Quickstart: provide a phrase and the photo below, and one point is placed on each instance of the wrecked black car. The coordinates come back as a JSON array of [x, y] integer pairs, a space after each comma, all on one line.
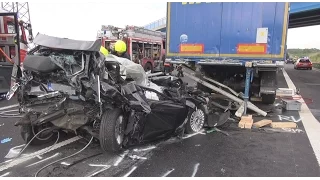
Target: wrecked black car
[[69, 85]]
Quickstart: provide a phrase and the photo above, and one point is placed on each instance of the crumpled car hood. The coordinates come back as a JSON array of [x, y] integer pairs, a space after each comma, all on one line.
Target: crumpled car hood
[[68, 44]]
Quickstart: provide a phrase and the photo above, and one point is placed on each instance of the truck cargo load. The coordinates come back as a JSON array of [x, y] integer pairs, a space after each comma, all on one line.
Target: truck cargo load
[[227, 30]]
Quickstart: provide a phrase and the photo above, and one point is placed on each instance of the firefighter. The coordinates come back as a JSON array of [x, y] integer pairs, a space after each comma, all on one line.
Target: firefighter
[[120, 50], [104, 51]]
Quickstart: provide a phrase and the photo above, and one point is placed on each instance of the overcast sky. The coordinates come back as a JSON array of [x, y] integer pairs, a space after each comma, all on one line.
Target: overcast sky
[[83, 20]]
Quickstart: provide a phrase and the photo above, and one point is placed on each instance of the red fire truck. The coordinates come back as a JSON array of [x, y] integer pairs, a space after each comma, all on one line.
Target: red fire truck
[[13, 46], [144, 46]]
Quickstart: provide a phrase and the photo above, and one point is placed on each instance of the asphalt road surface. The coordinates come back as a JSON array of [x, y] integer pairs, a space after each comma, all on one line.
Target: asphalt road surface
[[309, 84], [255, 152]]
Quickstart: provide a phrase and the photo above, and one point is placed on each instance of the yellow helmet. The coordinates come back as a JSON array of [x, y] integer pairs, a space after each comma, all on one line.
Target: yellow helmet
[[104, 51], [120, 46]]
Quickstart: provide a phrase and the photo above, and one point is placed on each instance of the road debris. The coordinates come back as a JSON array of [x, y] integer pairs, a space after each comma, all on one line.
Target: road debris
[[283, 125], [291, 105], [215, 129], [65, 163], [134, 157], [6, 140], [223, 170], [262, 123], [14, 151], [246, 122]]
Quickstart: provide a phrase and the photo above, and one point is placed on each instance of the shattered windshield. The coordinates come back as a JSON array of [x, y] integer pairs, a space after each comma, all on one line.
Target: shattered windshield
[[71, 64]]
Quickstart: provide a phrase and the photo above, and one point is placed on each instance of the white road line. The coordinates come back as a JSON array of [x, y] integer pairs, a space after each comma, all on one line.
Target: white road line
[[9, 107], [131, 171], [101, 170], [191, 135], [33, 155], [120, 158], [310, 123], [5, 174], [145, 149], [55, 155], [195, 169], [167, 173]]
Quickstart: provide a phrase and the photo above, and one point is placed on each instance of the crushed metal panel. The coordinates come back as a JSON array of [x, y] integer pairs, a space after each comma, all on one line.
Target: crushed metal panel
[[69, 44]]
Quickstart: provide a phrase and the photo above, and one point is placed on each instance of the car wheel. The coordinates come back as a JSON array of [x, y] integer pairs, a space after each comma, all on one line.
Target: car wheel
[[27, 132], [112, 130], [311, 68], [196, 120]]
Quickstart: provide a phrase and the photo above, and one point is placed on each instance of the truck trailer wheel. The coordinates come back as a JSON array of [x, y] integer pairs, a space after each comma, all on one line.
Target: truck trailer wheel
[[268, 98], [112, 130]]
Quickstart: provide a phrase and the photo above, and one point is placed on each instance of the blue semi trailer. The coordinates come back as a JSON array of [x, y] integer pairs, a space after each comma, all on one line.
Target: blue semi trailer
[[240, 44]]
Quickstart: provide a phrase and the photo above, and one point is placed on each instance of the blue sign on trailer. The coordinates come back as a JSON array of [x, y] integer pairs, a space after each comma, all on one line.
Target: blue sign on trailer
[[238, 30]]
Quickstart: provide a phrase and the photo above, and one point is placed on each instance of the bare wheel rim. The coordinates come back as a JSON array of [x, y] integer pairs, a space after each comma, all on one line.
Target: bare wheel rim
[[119, 129], [197, 120], [42, 136]]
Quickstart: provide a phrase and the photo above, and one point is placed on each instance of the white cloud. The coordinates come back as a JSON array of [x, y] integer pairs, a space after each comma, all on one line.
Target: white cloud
[[82, 20], [305, 37]]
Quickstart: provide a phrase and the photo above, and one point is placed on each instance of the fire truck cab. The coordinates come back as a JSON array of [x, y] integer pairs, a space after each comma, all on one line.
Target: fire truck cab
[[12, 49], [145, 47]]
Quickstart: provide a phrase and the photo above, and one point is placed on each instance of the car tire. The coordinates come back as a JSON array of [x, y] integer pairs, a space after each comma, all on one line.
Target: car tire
[[268, 98], [310, 68], [111, 132], [27, 132], [196, 120]]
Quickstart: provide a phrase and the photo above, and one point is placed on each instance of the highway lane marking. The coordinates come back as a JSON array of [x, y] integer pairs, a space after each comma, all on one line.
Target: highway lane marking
[[55, 155], [312, 84], [195, 169], [131, 171], [105, 167], [168, 172], [5, 174], [310, 123], [9, 107], [35, 154]]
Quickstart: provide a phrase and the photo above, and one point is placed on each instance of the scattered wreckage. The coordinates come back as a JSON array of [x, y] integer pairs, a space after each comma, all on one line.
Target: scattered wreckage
[[69, 85]]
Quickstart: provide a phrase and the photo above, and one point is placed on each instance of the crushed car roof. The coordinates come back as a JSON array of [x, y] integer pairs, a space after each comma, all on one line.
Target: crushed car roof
[[63, 43]]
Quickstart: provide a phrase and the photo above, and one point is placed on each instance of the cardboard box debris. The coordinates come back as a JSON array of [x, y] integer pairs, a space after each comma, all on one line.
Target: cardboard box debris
[[262, 123], [283, 125], [246, 122]]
